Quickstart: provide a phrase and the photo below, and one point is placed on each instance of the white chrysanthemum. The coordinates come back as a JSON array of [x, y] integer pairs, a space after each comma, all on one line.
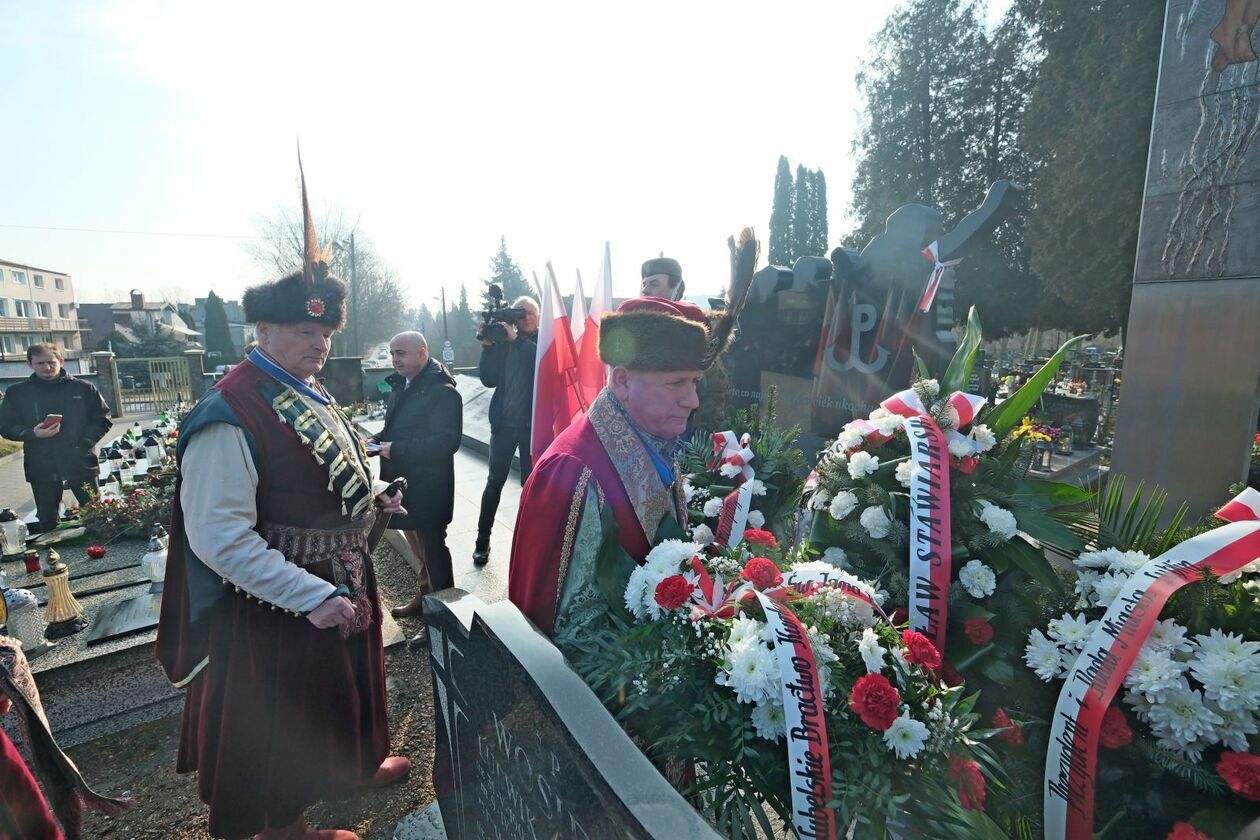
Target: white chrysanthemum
[[662, 561], [768, 721], [668, 557], [824, 656], [820, 500], [876, 522], [1085, 581], [811, 567], [1168, 635], [904, 470], [1129, 562], [744, 628], [862, 463], [1155, 674], [756, 519], [850, 437], [888, 424], [1235, 727], [1071, 630], [1184, 717], [713, 507], [978, 579], [932, 387], [756, 487], [842, 504], [689, 489], [999, 520], [702, 534], [729, 470], [872, 653], [635, 588], [1107, 587], [1097, 559], [1227, 645], [1233, 683], [906, 736], [836, 556], [959, 447], [1250, 569], [1043, 656], [751, 671], [1141, 706], [984, 437]]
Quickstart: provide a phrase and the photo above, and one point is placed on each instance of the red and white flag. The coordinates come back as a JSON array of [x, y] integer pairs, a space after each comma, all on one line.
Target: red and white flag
[[556, 397], [592, 372]]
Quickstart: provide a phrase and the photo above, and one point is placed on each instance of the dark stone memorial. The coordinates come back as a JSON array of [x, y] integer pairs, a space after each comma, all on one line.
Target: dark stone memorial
[[1191, 380], [123, 618], [837, 335], [524, 748]]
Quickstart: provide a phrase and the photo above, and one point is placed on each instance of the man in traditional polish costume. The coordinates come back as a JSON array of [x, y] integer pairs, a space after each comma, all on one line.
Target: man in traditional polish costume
[[620, 456], [270, 618]]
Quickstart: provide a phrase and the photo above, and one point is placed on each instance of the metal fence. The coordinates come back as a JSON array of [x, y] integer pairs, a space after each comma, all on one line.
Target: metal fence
[[151, 385]]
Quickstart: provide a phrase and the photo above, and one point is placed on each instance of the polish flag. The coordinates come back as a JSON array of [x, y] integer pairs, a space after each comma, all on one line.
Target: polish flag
[[593, 373], [556, 396]]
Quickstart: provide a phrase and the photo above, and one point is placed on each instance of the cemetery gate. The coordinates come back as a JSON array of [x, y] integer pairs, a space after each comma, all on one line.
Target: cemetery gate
[[151, 385]]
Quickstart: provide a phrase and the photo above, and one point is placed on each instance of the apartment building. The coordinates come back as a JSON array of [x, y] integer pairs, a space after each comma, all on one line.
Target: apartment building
[[36, 304]]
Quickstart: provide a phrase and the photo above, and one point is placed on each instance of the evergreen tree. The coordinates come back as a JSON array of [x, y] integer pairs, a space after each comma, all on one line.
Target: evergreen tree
[[821, 238], [507, 274], [803, 212], [462, 322], [1087, 129], [218, 338], [781, 242]]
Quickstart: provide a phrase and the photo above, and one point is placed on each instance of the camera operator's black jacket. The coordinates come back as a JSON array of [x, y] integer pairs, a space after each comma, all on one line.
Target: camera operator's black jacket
[[68, 455], [424, 426], [508, 368]]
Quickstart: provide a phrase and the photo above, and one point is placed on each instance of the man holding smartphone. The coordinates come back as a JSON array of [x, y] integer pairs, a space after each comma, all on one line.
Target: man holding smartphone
[[58, 419]]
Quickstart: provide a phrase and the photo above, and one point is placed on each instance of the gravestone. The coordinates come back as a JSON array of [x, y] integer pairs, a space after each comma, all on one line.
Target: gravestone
[[524, 748], [1191, 380], [837, 335]]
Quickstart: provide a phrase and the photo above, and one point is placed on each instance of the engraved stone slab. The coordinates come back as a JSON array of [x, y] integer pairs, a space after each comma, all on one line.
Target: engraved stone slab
[[134, 615]]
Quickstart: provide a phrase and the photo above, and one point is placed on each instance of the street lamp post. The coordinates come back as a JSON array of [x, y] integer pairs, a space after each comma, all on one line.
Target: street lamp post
[[446, 332]]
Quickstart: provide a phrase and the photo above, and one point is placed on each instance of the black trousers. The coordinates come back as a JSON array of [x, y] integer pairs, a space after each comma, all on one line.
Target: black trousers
[[503, 445], [435, 557], [48, 498]]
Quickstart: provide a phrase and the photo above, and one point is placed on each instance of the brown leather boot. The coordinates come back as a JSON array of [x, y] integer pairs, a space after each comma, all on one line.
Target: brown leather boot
[[410, 610], [298, 830]]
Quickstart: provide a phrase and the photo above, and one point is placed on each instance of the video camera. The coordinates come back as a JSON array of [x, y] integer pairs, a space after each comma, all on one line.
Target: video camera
[[494, 318]]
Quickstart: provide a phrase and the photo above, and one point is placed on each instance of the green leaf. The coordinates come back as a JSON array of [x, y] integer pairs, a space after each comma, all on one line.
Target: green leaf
[[1034, 563], [1222, 822], [975, 655], [1044, 528], [958, 374], [999, 670], [1039, 493], [920, 366], [613, 567], [669, 529], [1006, 415]]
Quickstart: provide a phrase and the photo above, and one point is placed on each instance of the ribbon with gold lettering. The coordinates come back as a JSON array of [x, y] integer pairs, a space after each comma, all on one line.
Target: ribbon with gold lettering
[[1104, 662]]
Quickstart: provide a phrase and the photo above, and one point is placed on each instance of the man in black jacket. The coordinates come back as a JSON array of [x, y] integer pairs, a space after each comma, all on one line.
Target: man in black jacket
[[58, 419], [508, 367], [424, 425]]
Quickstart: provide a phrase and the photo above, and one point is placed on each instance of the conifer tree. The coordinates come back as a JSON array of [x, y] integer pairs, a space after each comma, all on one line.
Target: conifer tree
[[218, 337], [781, 242]]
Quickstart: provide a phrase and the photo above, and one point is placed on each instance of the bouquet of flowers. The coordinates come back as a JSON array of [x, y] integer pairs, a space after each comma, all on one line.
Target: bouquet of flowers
[[134, 514], [758, 678]]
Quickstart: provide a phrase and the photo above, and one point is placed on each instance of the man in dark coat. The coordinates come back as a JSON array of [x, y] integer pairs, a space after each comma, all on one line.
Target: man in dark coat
[[424, 425], [507, 366], [58, 419]]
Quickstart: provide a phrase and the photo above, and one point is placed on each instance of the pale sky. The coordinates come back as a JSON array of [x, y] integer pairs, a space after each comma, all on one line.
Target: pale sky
[[654, 125]]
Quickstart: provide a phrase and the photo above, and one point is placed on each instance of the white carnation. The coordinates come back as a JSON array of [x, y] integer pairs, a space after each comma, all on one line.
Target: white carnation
[[999, 520], [904, 471], [756, 519], [756, 487], [729, 470], [984, 437], [820, 500], [768, 721], [1043, 656], [932, 387], [871, 651], [960, 447], [887, 423], [850, 438], [876, 522], [862, 464], [713, 507], [978, 579], [906, 736], [835, 556], [702, 534], [842, 504]]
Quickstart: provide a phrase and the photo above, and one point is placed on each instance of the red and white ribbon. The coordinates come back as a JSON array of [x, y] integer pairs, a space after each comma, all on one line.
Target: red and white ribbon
[[963, 408], [713, 599], [932, 252], [931, 556], [1104, 662], [809, 759], [728, 449]]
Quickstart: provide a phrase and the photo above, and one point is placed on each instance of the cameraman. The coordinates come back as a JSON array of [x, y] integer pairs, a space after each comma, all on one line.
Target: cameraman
[[508, 367]]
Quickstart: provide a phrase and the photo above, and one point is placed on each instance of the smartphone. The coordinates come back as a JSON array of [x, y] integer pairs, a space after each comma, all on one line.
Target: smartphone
[[51, 420], [373, 448]]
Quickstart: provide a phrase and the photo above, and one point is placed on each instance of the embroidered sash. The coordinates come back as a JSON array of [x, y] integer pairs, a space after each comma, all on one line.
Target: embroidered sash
[[350, 484]]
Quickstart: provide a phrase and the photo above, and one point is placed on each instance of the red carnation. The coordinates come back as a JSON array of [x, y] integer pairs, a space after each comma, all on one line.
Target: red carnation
[[1115, 732], [673, 592], [756, 536], [949, 676], [920, 650], [1185, 831], [1241, 771], [898, 616], [875, 701], [1013, 734], [762, 572], [965, 774], [978, 631]]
